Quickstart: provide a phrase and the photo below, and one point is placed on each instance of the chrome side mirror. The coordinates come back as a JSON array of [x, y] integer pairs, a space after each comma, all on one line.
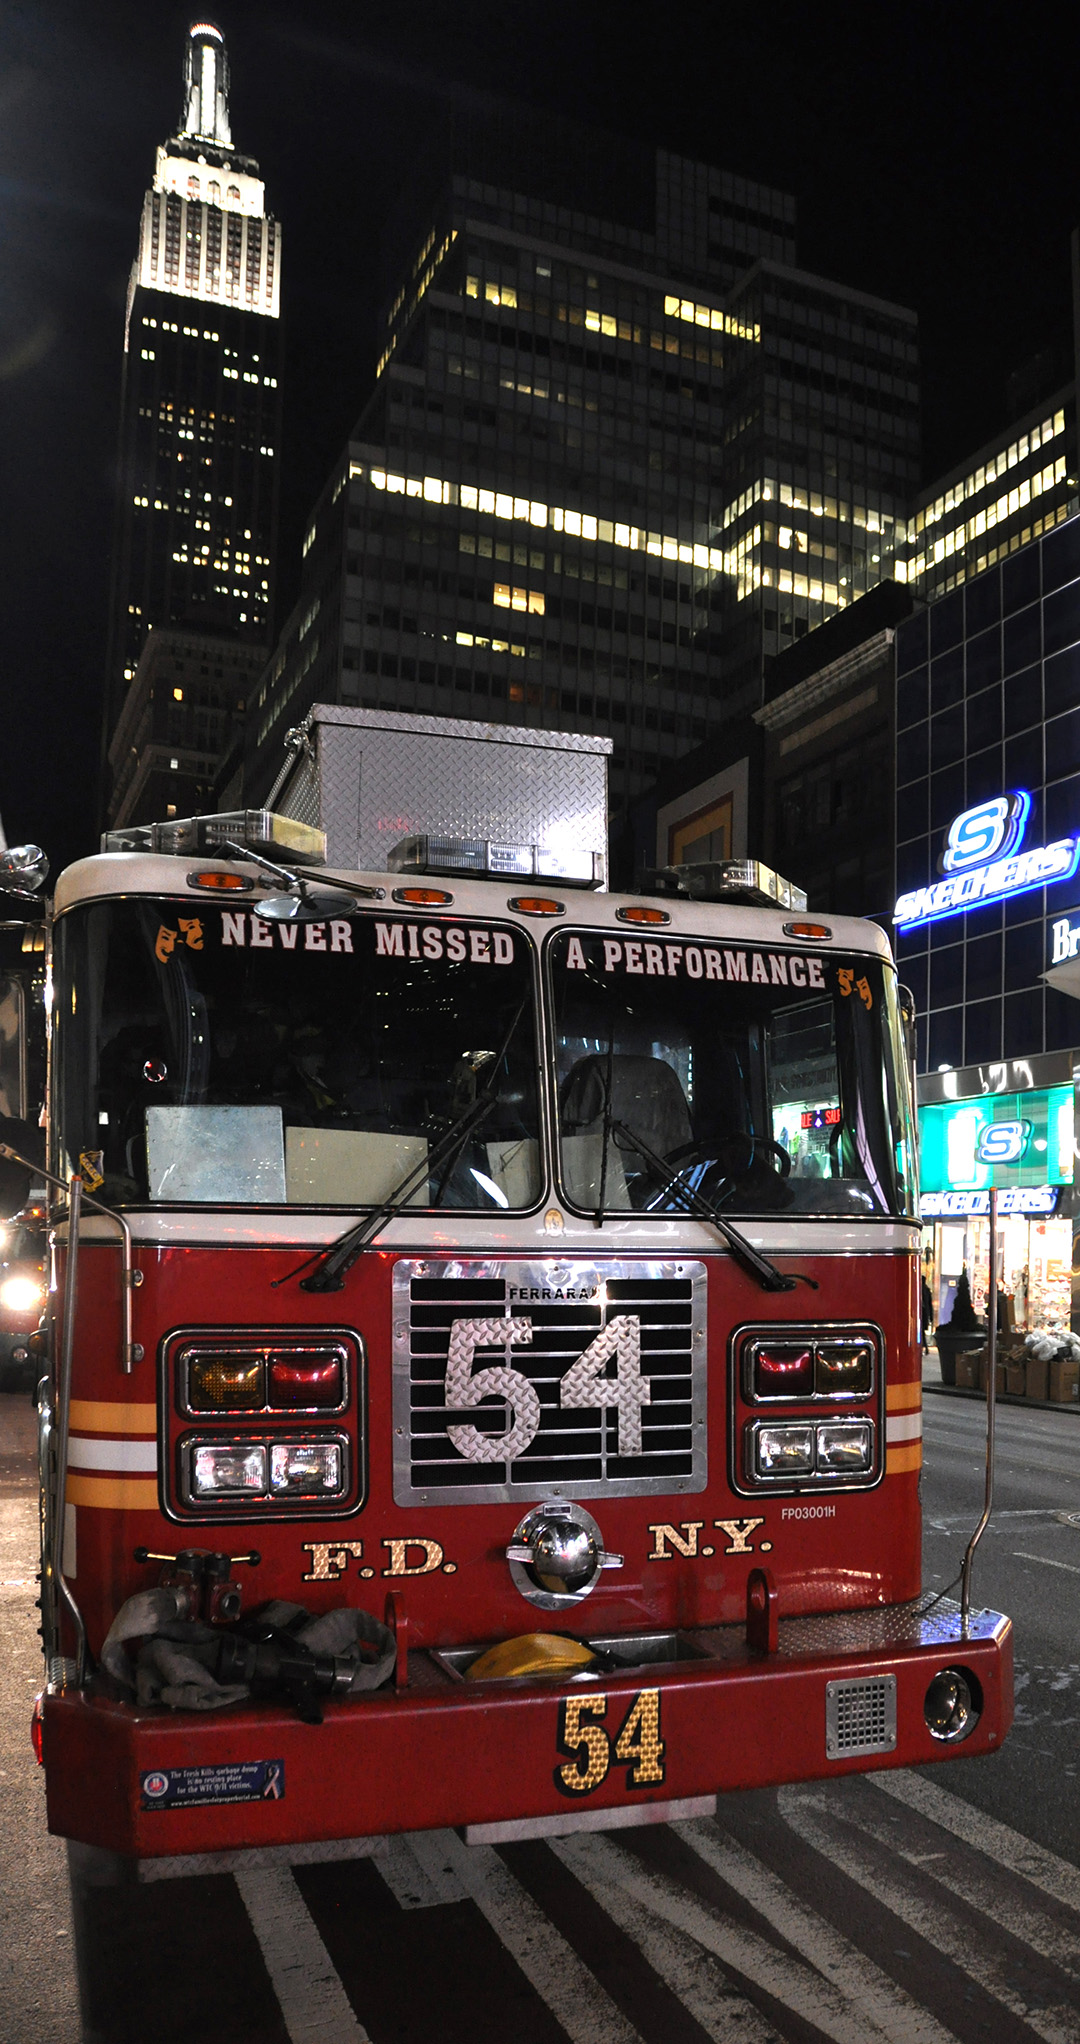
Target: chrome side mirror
[[307, 905], [24, 869]]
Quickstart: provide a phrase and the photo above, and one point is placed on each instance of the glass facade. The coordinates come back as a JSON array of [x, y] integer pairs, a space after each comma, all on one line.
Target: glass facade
[[600, 478], [988, 704], [997, 501]]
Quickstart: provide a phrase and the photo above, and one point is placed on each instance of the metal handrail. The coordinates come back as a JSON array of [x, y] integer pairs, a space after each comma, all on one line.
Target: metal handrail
[[132, 1351], [991, 1410], [54, 1558]]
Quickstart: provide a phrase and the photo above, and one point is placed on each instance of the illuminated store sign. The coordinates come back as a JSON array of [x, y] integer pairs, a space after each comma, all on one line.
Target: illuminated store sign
[[1028, 1199], [1019, 1141], [983, 862], [1064, 940]]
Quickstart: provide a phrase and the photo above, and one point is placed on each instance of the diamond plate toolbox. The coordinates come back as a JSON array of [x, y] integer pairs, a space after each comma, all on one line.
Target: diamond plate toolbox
[[518, 1379], [370, 778]]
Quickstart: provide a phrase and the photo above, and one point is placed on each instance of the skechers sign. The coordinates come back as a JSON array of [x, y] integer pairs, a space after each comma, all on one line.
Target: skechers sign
[[983, 862], [1003, 1142]]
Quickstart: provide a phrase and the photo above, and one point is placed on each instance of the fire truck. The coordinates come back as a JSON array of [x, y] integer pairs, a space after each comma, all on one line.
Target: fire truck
[[485, 1383]]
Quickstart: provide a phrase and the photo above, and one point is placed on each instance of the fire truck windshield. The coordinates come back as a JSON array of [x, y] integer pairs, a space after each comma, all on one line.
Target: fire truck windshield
[[206, 1055], [768, 1081]]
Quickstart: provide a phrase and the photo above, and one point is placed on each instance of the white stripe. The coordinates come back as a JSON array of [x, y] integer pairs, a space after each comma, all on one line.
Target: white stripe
[[1023, 1919], [978, 1954], [800, 1988], [906, 1426], [573, 1994], [313, 2003], [885, 2005], [1046, 1561], [98, 1454], [693, 1975], [1056, 1877]]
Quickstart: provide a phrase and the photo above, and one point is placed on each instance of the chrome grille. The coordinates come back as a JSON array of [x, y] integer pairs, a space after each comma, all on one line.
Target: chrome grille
[[574, 1450], [860, 1717]]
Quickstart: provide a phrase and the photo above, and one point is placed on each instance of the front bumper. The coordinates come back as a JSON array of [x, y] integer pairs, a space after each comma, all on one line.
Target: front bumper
[[150, 1783]]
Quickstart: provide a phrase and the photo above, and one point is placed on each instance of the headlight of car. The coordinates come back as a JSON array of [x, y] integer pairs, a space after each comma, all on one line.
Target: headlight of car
[[22, 1294]]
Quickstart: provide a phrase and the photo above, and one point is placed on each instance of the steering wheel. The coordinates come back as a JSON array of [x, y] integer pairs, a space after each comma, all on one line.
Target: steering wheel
[[717, 1153]]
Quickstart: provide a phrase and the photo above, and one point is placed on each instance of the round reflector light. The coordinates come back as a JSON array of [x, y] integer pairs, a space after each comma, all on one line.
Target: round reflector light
[[952, 1705]]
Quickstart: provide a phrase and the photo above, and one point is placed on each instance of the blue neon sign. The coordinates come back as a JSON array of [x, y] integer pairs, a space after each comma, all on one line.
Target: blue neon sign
[[992, 831], [983, 862]]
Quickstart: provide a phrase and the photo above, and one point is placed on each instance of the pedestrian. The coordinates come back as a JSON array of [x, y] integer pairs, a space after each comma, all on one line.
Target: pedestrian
[[927, 1312]]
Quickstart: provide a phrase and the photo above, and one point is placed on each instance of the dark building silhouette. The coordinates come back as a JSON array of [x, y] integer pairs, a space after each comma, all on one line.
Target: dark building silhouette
[[620, 452]]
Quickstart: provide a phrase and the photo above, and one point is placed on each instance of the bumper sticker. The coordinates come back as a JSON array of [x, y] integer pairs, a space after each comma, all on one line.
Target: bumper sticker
[[239, 1781]]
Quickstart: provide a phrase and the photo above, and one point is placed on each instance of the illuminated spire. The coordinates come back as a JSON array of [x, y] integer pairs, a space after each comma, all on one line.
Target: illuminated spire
[[206, 116]]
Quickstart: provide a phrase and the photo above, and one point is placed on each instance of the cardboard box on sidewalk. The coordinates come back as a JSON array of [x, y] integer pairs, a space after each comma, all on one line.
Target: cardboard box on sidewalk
[[1016, 1379], [967, 1369], [1065, 1383], [1038, 1378]]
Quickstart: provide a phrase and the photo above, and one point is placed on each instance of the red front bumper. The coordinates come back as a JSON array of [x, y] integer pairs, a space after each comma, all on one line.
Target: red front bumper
[[445, 1752]]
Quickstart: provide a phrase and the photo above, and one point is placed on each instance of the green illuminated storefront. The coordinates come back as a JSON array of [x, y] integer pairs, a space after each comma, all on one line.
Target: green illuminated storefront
[[1019, 1137]]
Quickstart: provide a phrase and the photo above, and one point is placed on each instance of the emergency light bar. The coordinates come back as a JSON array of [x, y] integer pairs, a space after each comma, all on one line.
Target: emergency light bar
[[259, 830], [746, 880], [479, 856]]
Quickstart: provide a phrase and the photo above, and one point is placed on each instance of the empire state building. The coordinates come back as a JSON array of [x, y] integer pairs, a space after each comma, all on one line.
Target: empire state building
[[200, 436]]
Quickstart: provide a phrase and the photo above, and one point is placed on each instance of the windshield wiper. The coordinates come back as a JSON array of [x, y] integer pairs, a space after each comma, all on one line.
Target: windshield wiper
[[329, 1265], [751, 1259]]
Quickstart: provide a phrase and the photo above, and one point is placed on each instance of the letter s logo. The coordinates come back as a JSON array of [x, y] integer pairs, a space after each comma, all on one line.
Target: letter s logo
[[991, 831], [1003, 1142]]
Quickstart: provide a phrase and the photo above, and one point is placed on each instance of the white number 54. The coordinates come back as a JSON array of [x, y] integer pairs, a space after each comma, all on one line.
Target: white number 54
[[586, 1383]]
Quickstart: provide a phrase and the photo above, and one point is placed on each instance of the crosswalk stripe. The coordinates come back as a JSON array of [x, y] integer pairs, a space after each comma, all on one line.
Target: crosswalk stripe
[[313, 2003], [980, 1956], [453, 1871], [798, 1987], [693, 1975], [1056, 1877], [1025, 1920], [886, 2005]]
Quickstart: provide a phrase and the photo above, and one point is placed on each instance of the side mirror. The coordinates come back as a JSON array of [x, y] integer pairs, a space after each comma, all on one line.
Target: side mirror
[[23, 869], [308, 905]]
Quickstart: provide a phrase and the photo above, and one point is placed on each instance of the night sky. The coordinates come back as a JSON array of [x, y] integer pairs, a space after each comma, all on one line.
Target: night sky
[[931, 149]]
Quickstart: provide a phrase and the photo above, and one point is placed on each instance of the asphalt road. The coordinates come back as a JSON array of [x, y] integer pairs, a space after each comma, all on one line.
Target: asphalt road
[[913, 1907]]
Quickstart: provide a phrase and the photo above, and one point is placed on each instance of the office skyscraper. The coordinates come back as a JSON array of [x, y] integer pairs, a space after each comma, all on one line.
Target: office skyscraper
[[620, 451], [200, 439]]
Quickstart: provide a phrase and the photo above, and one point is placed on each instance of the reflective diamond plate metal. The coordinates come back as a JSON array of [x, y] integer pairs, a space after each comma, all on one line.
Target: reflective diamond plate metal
[[380, 777], [573, 1449]]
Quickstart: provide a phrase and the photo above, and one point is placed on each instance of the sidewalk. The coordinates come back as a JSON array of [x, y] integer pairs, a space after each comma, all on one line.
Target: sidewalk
[[931, 1381]]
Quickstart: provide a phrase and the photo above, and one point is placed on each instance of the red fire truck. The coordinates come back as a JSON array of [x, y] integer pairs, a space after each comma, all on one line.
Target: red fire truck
[[486, 1362]]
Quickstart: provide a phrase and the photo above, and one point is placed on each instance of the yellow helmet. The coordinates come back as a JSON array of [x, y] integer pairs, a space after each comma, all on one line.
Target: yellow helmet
[[532, 1653]]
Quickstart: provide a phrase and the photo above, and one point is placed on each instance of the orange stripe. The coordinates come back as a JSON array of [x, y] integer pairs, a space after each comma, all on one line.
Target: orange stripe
[[907, 1456], [97, 1416], [903, 1397], [114, 1493]]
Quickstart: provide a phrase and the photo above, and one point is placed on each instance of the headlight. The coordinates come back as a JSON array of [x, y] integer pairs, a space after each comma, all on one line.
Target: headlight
[[810, 1452], [846, 1445], [306, 1469], [227, 1469], [785, 1451], [21, 1294]]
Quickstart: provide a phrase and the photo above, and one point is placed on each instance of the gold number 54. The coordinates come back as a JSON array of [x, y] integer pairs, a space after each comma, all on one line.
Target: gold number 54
[[582, 1735]]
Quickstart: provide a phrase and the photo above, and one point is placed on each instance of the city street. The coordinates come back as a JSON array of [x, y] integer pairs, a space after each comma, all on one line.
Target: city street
[[906, 1906]]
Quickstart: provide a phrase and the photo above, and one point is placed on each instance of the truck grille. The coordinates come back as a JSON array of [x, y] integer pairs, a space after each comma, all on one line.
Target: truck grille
[[648, 1435], [860, 1717]]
